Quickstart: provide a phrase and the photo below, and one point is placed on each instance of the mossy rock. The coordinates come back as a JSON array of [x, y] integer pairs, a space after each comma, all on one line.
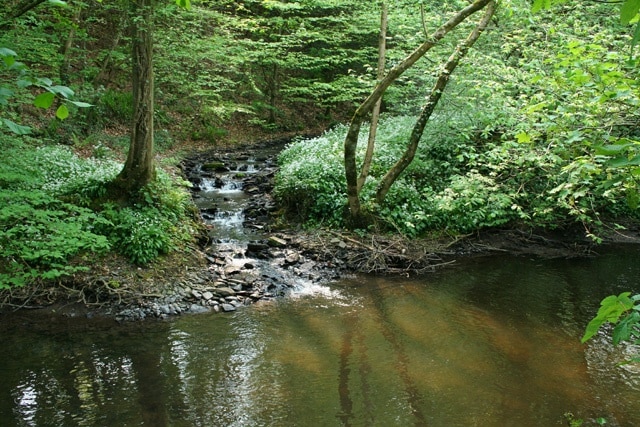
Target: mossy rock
[[215, 166]]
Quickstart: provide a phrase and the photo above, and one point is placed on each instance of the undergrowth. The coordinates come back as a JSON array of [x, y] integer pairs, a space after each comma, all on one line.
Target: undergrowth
[[51, 227]]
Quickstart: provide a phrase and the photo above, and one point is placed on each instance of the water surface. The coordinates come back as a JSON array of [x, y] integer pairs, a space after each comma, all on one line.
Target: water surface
[[491, 342]]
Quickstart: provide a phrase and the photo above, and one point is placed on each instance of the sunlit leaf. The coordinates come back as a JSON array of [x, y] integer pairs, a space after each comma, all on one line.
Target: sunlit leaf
[[540, 4], [62, 112], [184, 3], [523, 137], [62, 90], [611, 308], [629, 10], [81, 104], [44, 100]]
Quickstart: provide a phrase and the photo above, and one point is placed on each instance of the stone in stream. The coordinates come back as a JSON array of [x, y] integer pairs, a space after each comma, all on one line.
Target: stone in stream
[[195, 308], [224, 292], [291, 257], [276, 241], [228, 307]]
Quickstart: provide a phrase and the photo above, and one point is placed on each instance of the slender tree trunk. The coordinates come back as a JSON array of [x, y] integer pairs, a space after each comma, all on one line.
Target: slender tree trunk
[[451, 64], [351, 139], [139, 169], [375, 114]]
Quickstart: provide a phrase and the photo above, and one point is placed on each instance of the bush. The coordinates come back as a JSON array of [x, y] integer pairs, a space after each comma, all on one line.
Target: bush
[[47, 230]]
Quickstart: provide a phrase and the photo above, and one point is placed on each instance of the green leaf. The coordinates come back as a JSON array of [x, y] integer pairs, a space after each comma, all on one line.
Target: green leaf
[[16, 128], [636, 39], [62, 90], [81, 104], [43, 82], [540, 4], [44, 100], [611, 308], [184, 3], [62, 112], [620, 162], [624, 330], [7, 52], [629, 10], [523, 137], [57, 2]]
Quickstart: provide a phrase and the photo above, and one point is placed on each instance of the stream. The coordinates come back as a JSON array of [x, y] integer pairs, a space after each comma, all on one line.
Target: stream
[[490, 341]]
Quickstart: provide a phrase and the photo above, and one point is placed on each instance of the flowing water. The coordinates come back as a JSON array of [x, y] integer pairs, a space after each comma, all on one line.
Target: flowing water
[[490, 342]]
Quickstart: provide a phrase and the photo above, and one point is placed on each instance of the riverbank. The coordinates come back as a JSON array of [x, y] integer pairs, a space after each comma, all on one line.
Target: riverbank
[[206, 278]]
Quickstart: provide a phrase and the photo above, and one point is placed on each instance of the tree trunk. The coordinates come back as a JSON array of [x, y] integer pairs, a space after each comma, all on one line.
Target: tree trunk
[[375, 114], [139, 168], [351, 140], [451, 64]]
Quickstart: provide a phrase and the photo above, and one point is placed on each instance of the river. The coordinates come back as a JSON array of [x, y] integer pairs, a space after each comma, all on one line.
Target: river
[[491, 341]]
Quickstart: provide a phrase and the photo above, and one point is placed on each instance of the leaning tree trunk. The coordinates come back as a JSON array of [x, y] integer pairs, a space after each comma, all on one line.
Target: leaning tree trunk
[[139, 168], [451, 64], [361, 113], [375, 114]]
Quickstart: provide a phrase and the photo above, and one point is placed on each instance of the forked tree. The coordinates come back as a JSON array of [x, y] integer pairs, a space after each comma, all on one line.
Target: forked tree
[[354, 181]]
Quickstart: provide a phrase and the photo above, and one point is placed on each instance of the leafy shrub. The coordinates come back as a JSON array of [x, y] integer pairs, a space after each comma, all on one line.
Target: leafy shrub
[[117, 104], [160, 223], [139, 234], [40, 234], [310, 182], [46, 229]]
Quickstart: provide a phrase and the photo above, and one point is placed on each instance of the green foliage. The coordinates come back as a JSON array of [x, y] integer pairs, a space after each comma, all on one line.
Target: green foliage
[[159, 223], [309, 188], [40, 233], [13, 93], [612, 308], [623, 311], [47, 230]]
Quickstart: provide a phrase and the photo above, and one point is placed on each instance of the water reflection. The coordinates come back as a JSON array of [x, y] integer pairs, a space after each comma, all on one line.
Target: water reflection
[[493, 342]]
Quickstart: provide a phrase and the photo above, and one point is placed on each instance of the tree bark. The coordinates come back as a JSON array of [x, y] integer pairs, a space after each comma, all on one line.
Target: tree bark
[[375, 114], [351, 139], [451, 64], [139, 169]]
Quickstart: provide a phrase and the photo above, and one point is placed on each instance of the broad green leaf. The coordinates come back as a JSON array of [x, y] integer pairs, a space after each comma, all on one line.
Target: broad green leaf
[[184, 3], [58, 2], [7, 52], [62, 90], [8, 60], [81, 104], [44, 100], [5, 94], [22, 83], [620, 162], [636, 39], [16, 128], [611, 308], [523, 137], [629, 10], [43, 81], [540, 4], [613, 149], [624, 330], [62, 112]]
